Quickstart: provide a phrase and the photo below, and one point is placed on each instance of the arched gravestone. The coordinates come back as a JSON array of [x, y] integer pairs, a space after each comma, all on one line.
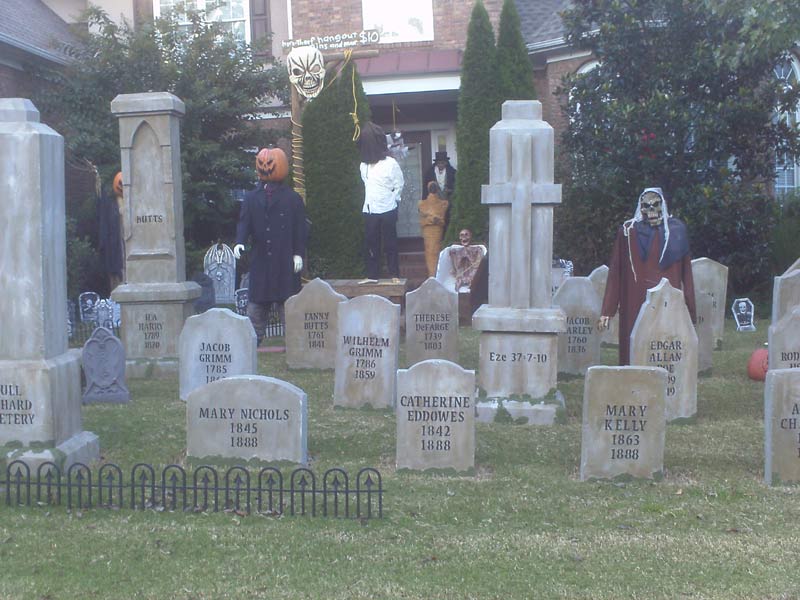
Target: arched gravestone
[[785, 294], [599, 277], [87, 303], [431, 323], [705, 308], [710, 279], [664, 336], [782, 426], [579, 345], [784, 342], [104, 366], [219, 264], [312, 326]]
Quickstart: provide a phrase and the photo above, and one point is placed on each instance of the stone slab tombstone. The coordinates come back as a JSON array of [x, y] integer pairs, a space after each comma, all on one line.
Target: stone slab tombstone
[[782, 426], [784, 342], [436, 417], [431, 323], [241, 297], [579, 345], [704, 304], [247, 417], [87, 302], [219, 264], [711, 278], [599, 277], [785, 294], [214, 345], [104, 367], [744, 314], [623, 422], [664, 336], [312, 326], [367, 352]]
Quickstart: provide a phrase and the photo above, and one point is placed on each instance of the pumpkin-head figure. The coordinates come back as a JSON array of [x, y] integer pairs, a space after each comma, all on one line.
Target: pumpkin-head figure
[[272, 165], [118, 184]]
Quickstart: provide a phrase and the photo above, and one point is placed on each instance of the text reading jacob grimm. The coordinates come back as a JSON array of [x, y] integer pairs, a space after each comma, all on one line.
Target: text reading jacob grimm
[[626, 422], [244, 429], [366, 350]]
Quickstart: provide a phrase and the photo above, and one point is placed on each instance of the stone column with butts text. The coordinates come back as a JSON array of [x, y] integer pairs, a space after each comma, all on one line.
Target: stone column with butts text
[[156, 299], [519, 326]]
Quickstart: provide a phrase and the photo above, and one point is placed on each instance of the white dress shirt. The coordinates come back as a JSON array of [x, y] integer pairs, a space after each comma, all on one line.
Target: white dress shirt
[[383, 184]]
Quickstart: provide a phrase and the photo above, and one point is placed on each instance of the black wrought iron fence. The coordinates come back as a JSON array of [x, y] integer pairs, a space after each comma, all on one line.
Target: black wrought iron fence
[[205, 489]]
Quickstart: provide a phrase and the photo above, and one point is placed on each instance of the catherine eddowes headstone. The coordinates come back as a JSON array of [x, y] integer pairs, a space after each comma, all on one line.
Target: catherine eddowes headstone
[[104, 367], [431, 323], [312, 326]]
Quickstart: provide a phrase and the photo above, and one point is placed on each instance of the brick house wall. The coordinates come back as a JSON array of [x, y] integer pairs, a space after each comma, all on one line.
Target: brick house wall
[[13, 82]]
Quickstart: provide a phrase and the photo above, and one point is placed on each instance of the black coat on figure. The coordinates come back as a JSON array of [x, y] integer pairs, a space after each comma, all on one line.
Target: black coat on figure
[[273, 216]]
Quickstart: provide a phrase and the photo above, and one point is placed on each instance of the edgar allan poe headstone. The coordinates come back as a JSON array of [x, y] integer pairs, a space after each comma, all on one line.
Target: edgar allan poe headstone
[[431, 323], [312, 326]]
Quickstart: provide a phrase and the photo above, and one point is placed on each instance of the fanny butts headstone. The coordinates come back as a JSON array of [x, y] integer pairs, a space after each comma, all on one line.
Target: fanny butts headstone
[[436, 417], [431, 323], [213, 345], [40, 377], [624, 422], [784, 342], [367, 352], [104, 367], [312, 326], [247, 417], [664, 336], [711, 278], [610, 335], [579, 345], [782, 426]]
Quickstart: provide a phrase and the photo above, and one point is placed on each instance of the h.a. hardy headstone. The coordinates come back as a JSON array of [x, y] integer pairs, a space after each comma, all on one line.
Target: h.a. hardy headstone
[[367, 352], [782, 426], [623, 422], [431, 323], [247, 417], [710, 279], [436, 417], [579, 345], [219, 264], [785, 294], [609, 335], [704, 305], [104, 366], [784, 342], [215, 345], [312, 326], [744, 314], [664, 336]]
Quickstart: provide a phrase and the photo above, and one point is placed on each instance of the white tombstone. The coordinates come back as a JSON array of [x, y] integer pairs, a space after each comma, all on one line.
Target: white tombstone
[[219, 264], [610, 335], [704, 305], [784, 342], [312, 326], [711, 278], [431, 323], [579, 345], [664, 336], [782, 426], [785, 294], [744, 314]]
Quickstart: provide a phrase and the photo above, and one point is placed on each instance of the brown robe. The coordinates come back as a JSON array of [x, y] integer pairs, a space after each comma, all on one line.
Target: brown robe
[[628, 294]]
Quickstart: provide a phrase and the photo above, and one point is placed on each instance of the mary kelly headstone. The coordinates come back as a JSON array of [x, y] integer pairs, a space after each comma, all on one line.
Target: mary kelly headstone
[[623, 422], [367, 352], [782, 426], [247, 417], [431, 323], [215, 345], [104, 367], [610, 335], [312, 326], [784, 342], [664, 336], [436, 417], [579, 345]]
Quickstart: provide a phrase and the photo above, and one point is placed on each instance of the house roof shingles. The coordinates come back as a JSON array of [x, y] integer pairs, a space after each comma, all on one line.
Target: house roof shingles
[[31, 27], [540, 21]]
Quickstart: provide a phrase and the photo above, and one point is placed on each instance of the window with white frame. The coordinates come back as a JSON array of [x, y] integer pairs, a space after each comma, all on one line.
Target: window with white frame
[[787, 173], [233, 14]]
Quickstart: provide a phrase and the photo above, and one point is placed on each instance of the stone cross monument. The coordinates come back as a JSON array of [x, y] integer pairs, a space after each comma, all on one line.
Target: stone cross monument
[[156, 299], [519, 327], [40, 378]]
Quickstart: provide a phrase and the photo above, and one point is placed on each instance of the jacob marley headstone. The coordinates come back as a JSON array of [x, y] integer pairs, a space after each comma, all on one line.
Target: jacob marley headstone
[[431, 323], [784, 342], [610, 335], [40, 378], [663, 336], [579, 345], [367, 352], [312, 326], [247, 417], [711, 279], [215, 345], [104, 367], [623, 422], [782, 426]]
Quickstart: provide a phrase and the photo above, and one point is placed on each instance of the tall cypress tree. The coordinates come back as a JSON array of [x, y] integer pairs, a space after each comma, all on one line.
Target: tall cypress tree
[[478, 110], [513, 66], [334, 190]]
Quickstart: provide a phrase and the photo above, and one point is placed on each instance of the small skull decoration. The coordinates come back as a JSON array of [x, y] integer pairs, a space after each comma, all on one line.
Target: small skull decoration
[[306, 70]]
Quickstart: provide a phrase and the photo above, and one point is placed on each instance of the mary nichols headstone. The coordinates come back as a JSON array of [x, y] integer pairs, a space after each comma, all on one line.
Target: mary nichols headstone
[[312, 326], [782, 426]]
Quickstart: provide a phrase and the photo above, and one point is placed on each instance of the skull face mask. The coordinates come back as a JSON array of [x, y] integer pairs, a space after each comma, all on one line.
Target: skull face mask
[[306, 70], [651, 206]]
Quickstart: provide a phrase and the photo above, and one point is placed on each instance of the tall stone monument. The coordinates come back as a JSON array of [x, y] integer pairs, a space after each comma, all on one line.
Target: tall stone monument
[[40, 378], [519, 326], [156, 299]]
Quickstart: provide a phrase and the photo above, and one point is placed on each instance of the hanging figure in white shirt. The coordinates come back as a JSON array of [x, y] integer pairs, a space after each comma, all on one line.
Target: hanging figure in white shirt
[[383, 184]]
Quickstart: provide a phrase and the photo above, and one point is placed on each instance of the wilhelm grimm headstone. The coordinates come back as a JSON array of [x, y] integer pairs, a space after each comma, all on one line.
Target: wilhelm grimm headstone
[[312, 326], [782, 426], [431, 323]]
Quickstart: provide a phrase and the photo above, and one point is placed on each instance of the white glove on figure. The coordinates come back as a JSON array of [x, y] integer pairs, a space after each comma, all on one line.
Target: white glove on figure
[[237, 251], [298, 263]]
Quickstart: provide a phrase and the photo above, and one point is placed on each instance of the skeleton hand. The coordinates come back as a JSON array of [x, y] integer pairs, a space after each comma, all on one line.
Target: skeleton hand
[[298, 263], [237, 251], [602, 323]]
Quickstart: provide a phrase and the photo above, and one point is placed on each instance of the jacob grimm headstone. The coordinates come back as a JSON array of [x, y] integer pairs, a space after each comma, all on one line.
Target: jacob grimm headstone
[[367, 352], [664, 336], [744, 314], [215, 345], [623, 422], [247, 417], [431, 323], [782, 426], [435, 417], [104, 366], [579, 345], [784, 342], [711, 278], [312, 326], [610, 335]]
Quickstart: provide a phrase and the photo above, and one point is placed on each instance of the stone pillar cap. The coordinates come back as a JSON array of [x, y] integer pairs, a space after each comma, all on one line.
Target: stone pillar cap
[[18, 110], [149, 102], [528, 110]]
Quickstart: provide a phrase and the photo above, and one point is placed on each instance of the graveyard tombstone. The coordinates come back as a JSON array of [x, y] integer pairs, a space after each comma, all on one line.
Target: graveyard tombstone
[[431, 323], [367, 352], [87, 302], [744, 314], [104, 366], [623, 422], [785, 294], [241, 297], [219, 264], [579, 345], [40, 379], [704, 305], [610, 335], [214, 345], [247, 417], [436, 417], [782, 426], [664, 336], [312, 326], [784, 342], [711, 278]]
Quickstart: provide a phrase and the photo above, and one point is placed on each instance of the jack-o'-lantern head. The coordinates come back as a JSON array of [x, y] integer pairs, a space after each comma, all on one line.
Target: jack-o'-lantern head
[[272, 164], [118, 184]]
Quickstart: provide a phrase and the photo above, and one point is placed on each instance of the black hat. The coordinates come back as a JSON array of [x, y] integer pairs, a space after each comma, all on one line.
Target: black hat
[[441, 155]]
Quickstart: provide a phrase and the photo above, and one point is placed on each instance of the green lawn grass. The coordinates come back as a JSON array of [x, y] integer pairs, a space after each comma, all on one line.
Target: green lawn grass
[[522, 527]]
